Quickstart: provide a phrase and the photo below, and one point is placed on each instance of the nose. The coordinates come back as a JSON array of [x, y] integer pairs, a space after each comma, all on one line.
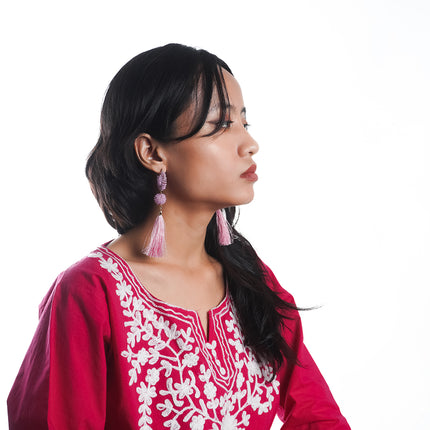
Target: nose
[[249, 145]]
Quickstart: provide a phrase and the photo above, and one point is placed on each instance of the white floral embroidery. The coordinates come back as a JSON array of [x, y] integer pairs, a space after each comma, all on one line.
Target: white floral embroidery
[[165, 362], [197, 423], [210, 390]]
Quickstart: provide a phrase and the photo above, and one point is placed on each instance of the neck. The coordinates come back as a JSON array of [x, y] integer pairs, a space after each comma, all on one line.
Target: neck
[[185, 233]]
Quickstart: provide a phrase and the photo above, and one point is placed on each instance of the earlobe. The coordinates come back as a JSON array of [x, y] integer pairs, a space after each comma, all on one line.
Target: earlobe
[[149, 153]]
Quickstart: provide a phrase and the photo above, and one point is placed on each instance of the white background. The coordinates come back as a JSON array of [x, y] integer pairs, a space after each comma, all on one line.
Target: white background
[[338, 95]]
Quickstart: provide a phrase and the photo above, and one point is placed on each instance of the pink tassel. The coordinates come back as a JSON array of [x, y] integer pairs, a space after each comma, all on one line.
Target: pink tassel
[[157, 243], [224, 229]]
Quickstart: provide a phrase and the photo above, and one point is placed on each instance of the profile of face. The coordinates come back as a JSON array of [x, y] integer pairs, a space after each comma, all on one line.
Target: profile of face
[[215, 171]]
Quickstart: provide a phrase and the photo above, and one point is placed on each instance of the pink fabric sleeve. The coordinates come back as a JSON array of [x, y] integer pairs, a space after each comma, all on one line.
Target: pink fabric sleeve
[[62, 381], [306, 402]]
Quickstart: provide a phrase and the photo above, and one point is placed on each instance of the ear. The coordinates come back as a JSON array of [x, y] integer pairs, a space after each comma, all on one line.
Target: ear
[[150, 153]]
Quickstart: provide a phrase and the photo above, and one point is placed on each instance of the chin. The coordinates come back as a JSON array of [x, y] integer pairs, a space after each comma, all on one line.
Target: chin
[[244, 200]]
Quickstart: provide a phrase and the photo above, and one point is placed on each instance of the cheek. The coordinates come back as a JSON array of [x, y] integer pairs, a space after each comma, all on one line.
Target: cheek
[[203, 173], [185, 181], [201, 180]]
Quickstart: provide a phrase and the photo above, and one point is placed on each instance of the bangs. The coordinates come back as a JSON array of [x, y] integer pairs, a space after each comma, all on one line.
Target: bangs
[[209, 83]]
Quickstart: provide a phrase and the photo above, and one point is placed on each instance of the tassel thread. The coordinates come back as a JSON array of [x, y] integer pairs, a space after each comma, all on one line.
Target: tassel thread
[[224, 229], [157, 242]]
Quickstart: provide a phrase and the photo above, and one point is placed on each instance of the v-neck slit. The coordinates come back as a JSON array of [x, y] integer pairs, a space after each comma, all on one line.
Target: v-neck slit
[[206, 335]]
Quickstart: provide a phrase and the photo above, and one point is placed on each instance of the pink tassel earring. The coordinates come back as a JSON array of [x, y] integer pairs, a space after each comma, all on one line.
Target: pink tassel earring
[[224, 229], [157, 242]]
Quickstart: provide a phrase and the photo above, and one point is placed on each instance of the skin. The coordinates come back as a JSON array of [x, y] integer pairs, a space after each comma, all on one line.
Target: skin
[[203, 175]]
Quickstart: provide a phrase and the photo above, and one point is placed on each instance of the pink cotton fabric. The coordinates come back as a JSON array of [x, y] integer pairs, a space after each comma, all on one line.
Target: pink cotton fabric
[[109, 355]]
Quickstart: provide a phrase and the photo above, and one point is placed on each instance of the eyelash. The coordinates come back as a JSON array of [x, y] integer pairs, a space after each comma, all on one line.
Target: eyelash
[[227, 124]]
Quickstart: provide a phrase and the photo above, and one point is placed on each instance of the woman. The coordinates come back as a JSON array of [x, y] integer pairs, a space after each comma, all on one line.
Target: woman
[[176, 323]]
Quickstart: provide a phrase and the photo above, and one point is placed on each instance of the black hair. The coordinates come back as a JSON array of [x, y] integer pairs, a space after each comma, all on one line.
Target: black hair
[[147, 95]]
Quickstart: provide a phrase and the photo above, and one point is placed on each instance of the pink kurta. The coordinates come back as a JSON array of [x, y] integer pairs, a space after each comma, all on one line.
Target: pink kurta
[[109, 355]]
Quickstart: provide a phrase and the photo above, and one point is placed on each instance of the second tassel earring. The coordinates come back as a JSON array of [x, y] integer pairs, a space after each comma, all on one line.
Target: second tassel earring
[[224, 229], [157, 242]]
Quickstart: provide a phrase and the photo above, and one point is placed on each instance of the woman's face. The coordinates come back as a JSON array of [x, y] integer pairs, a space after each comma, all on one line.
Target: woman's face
[[209, 171]]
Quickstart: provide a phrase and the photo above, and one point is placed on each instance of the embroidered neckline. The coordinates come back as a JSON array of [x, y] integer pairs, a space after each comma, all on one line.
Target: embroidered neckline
[[155, 300], [178, 380]]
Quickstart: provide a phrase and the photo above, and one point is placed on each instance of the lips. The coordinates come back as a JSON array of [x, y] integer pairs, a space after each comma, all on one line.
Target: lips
[[250, 174]]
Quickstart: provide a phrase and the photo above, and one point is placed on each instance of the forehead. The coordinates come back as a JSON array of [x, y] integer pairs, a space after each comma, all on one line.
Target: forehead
[[234, 93]]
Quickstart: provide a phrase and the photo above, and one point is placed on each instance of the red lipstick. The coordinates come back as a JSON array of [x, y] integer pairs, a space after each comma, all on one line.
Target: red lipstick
[[250, 174]]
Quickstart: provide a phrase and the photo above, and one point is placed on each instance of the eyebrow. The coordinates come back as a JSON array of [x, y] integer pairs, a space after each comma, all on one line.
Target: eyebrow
[[232, 107]]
